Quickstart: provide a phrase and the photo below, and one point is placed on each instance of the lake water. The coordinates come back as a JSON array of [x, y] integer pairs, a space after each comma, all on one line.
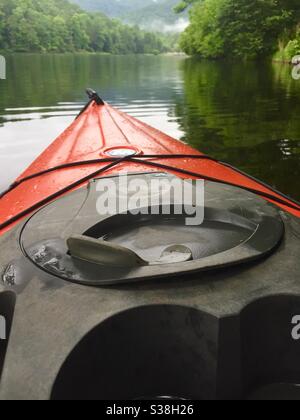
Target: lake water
[[247, 114]]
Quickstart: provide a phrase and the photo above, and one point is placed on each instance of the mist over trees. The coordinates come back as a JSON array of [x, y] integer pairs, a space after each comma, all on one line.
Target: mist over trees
[[242, 28], [158, 14], [59, 26]]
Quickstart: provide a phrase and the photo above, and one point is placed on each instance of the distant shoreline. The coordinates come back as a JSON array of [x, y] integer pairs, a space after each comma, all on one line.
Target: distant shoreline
[[105, 54], [165, 54], [180, 54]]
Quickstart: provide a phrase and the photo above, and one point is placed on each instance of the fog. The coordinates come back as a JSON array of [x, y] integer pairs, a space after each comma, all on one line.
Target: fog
[[179, 26]]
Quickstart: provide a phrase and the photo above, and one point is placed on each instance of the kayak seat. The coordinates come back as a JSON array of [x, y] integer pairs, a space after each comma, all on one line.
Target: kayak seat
[[83, 244]]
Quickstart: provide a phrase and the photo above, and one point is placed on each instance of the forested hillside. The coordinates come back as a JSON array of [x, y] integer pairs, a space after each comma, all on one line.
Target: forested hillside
[[242, 28], [58, 26]]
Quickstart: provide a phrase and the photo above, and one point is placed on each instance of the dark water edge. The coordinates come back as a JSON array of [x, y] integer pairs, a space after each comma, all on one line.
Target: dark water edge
[[244, 113]]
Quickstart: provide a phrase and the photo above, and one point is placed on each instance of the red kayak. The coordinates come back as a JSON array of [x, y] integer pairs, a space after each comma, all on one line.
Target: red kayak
[[102, 134], [208, 310]]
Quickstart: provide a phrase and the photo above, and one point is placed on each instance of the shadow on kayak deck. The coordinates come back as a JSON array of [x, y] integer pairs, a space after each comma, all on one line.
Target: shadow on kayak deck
[[159, 351], [7, 306]]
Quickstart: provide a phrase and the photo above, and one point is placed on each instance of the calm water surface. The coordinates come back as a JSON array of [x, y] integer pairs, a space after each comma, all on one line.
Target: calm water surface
[[245, 114]]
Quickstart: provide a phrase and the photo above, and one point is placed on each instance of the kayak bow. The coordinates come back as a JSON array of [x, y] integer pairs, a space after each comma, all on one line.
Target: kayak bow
[[91, 146]]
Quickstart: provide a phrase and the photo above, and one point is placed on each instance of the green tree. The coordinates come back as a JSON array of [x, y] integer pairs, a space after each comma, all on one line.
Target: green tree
[[239, 28], [59, 26]]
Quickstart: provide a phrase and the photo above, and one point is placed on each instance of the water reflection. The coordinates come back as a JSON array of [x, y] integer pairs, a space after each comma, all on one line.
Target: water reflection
[[246, 114]]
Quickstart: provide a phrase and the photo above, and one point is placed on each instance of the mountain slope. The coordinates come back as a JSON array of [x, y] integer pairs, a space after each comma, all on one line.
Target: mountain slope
[[158, 16], [113, 8], [155, 15]]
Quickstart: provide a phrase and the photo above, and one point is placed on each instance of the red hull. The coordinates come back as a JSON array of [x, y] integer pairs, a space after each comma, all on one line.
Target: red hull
[[98, 129]]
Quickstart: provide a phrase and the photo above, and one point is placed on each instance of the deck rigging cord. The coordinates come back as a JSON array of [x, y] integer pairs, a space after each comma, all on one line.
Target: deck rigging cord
[[138, 159], [133, 159], [98, 161]]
